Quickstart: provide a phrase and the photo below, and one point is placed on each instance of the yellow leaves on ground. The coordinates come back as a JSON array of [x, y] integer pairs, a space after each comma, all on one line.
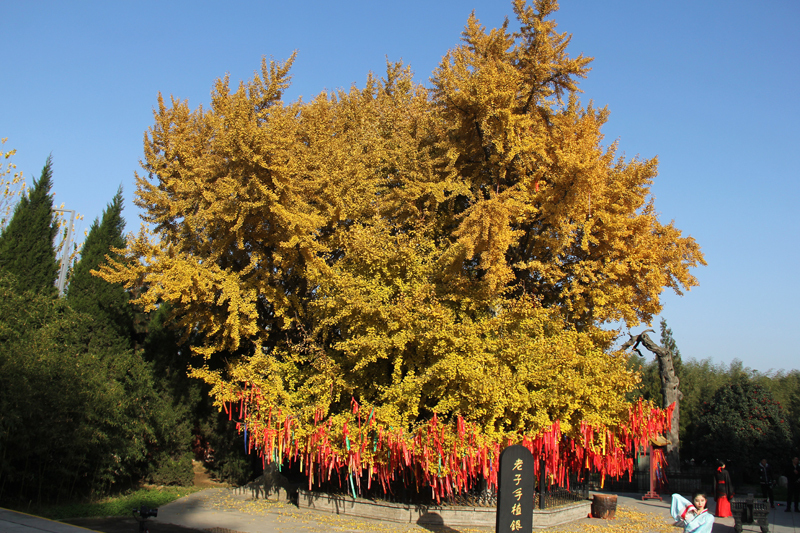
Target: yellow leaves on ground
[[449, 251]]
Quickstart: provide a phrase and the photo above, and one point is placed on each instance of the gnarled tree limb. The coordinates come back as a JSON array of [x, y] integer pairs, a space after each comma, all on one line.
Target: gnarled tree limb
[[669, 389]]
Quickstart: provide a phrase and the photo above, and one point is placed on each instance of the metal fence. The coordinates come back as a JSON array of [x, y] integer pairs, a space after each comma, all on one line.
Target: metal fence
[[555, 496], [403, 492], [686, 481], [406, 489]]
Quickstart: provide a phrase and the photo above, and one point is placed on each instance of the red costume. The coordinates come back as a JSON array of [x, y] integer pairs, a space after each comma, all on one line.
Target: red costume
[[723, 492]]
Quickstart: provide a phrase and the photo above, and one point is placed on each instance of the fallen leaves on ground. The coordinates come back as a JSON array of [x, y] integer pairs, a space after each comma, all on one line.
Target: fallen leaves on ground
[[628, 520]]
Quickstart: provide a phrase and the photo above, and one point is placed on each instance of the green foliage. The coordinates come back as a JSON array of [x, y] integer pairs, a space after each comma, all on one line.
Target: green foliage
[[668, 342], [741, 424], [79, 412], [198, 418], [26, 243], [106, 302], [702, 380], [109, 506], [649, 387], [785, 386], [229, 463], [166, 470], [109, 304], [699, 382], [169, 354], [169, 461]]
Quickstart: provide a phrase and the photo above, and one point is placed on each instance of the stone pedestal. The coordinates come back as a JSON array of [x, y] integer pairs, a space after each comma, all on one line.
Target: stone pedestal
[[750, 510]]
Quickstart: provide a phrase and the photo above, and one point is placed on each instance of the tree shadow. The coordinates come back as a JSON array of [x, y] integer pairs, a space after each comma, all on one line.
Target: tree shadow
[[433, 521]]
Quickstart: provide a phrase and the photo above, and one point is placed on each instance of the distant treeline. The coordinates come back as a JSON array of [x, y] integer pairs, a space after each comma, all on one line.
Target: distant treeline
[[730, 413]]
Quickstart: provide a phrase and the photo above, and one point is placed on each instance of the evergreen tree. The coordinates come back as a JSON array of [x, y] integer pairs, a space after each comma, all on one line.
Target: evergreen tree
[[668, 342], [785, 386], [202, 427], [80, 413], [649, 388], [106, 302], [742, 424], [26, 243]]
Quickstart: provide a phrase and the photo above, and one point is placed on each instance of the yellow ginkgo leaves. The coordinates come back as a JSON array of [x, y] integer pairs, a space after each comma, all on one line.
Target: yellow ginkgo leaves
[[449, 252]]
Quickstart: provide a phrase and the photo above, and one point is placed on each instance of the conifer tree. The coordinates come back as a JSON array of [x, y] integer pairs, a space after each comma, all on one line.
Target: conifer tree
[[26, 243], [649, 387], [106, 302], [668, 342]]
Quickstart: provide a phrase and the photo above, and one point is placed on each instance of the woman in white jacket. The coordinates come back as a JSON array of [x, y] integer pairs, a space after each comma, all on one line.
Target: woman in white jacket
[[693, 514]]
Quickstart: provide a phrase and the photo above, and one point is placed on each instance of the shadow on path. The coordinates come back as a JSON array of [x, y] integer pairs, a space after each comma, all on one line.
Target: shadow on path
[[124, 524]]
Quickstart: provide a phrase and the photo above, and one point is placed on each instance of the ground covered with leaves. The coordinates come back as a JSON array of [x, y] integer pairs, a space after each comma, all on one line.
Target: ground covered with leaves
[[290, 518]]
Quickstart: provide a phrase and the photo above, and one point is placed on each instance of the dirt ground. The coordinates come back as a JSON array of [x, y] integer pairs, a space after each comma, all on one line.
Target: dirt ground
[[202, 479]]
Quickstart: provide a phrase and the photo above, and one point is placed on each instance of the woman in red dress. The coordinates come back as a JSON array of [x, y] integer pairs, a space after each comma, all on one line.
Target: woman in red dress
[[723, 490]]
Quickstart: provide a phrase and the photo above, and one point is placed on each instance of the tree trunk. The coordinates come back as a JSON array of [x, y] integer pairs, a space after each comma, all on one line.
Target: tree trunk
[[669, 393]]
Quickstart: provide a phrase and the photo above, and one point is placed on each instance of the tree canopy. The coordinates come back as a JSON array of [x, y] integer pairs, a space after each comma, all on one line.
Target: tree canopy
[[743, 424], [402, 257], [26, 243], [79, 412], [106, 302]]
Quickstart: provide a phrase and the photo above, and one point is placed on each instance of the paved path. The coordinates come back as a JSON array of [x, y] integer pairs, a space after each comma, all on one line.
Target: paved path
[[779, 521], [14, 522], [223, 511]]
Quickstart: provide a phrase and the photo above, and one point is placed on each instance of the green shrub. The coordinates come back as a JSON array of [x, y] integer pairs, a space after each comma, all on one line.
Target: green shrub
[[166, 470], [80, 414], [116, 506], [230, 463]]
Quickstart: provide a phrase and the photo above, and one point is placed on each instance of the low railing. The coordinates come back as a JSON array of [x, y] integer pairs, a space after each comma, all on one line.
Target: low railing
[[560, 496], [684, 482], [554, 496]]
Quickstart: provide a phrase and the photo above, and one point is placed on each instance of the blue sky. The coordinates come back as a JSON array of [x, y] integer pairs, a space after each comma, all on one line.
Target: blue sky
[[709, 87]]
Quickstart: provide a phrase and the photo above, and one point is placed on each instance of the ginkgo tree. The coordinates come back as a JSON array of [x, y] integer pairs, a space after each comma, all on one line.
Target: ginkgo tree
[[12, 185], [400, 278]]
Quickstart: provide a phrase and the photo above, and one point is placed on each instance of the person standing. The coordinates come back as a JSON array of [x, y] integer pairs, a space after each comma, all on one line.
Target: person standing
[[793, 476], [723, 489], [765, 478]]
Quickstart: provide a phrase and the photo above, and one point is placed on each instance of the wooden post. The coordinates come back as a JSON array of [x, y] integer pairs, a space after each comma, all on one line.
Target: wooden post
[[542, 481]]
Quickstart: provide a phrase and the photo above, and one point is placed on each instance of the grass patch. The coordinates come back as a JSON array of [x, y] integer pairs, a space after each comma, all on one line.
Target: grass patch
[[121, 505]]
